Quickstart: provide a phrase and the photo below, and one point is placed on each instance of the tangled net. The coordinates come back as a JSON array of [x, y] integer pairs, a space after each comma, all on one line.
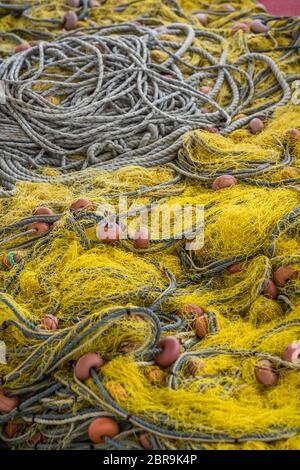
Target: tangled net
[[227, 306], [120, 302], [105, 98]]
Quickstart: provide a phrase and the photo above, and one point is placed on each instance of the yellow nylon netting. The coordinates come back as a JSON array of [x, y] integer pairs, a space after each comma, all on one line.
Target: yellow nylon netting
[[82, 281]]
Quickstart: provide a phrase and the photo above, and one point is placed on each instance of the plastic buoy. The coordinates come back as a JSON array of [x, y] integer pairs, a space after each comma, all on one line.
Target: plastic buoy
[[212, 130], [224, 181], [228, 7], [73, 3], [80, 203], [37, 439], [43, 211], [294, 133], [205, 89], [202, 18], [235, 268], [201, 326], [50, 322], [144, 441], [258, 26], [94, 4], [117, 391], [12, 258], [155, 374], [22, 47], [101, 427], [108, 233], [290, 172], [70, 20], [256, 125], [170, 351], [239, 27], [142, 238], [10, 430], [265, 373], [284, 274], [271, 290], [7, 404], [191, 308], [292, 352], [39, 227], [195, 366], [85, 364]]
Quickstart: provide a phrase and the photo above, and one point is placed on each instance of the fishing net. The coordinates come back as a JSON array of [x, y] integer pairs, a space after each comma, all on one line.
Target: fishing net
[[180, 119]]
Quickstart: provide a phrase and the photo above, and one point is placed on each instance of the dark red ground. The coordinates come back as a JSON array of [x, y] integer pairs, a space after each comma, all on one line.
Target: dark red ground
[[282, 7]]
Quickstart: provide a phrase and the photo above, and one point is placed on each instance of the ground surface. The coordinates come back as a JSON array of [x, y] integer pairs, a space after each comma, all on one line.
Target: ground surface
[[282, 7]]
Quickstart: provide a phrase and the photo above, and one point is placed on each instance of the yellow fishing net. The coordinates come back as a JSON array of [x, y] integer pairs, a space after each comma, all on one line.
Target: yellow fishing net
[[117, 300]]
